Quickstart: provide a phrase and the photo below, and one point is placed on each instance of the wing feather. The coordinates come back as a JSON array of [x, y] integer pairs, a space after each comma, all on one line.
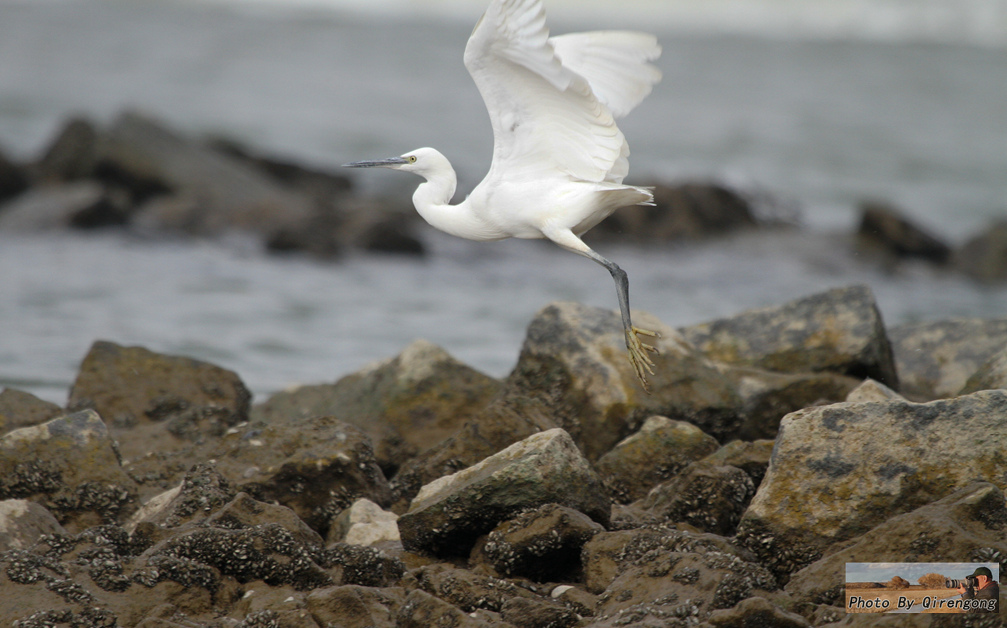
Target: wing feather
[[544, 114]]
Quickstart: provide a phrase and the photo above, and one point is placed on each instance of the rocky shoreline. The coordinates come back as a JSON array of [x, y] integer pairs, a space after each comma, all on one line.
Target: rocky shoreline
[[778, 445], [137, 173]]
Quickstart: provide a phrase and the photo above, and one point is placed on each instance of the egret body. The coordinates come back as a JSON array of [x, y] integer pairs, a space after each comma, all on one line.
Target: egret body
[[558, 157]]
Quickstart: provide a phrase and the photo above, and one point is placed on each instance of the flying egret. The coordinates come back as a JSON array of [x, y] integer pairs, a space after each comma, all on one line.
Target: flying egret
[[558, 157]]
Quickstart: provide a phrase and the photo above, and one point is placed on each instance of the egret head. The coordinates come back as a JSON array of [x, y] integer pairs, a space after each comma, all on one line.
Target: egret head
[[422, 161]]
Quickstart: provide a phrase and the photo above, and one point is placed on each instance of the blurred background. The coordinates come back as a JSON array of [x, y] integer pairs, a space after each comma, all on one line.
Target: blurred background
[[810, 112]]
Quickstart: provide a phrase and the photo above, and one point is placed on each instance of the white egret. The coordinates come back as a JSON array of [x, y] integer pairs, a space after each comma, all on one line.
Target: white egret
[[558, 157]]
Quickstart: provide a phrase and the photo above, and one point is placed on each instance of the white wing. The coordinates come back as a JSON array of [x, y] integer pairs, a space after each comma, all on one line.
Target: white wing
[[544, 114], [614, 64]]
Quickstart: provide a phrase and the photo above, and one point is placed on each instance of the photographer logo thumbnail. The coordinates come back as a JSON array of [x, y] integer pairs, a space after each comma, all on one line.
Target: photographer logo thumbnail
[[922, 587]]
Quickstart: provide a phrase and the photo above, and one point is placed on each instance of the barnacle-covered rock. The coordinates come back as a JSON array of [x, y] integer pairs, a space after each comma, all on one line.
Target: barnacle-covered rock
[[709, 497]]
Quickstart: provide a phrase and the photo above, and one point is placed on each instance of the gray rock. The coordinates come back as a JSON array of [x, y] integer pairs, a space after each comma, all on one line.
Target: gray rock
[[886, 230], [768, 396], [708, 497], [22, 409], [353, 606], [150, 159], [508, 419], [317, 467], [839, 331], [165, 411], [22, 522], [687, 211], [405, 405], [655, 575], [966, 526], [69, 465], [659, 450], [984, 256], [992, 375], [72, 155], [870, 390], [447, 515], [752, 457], [935, 359], [574, 363], [364, 523], [879, 459], [756, 611], [84, 204], [543, 544], [202, 492], [13, 178]]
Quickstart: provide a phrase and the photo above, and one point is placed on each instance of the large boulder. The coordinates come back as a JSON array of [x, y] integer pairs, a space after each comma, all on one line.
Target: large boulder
[[574, 363], [447, 516], [405, 405], [936, 359], [839, 331], [70, 465], [875, 460], [165, 411], [706, 496]]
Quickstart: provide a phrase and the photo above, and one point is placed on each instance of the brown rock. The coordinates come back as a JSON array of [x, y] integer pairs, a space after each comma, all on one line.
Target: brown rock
[[710, 498], [659, 450], [883, 228], [22, 522], [984, 256], [353, 606], [23, 409], [756, 611]]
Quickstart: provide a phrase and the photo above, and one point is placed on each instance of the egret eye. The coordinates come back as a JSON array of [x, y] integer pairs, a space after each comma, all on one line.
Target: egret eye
[[411, 159]]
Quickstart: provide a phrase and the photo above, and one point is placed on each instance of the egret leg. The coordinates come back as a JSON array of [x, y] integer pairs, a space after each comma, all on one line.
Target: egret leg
[[638, 350]]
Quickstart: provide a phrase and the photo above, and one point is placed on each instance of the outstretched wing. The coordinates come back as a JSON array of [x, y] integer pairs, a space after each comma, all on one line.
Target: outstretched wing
[[544, 113]]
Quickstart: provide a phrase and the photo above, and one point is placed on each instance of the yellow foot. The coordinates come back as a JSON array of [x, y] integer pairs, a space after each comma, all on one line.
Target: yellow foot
[[638, 357]]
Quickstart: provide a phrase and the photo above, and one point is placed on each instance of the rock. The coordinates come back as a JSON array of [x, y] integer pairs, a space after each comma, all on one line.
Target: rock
[[688, 211], [992, 375], [405, 405], [81, 205], [317, 467], [883, 228], [531, 613], [878, 459], [353, 606], [13, 179], [462, 588], [871, 390], [710, 498], [751, 457], [365, 566], [984, 256], [202, 492], [756, 611], [22, 409], [22, 522], [166, 411], [659, 574], [768, 396], [935, 359], [364, 523], [505, 421], [838, 331], [422, 610], [543, 544], [574, 363], [72, 155], [659, 450], [967, 525], [70, 466], [448, 514], [149, 159]]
